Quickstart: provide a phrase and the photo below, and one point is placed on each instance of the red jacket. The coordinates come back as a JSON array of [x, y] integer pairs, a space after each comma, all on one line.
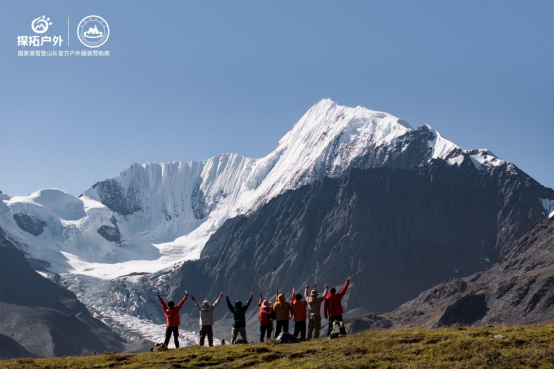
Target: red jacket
[[172, 315], [333, 305]]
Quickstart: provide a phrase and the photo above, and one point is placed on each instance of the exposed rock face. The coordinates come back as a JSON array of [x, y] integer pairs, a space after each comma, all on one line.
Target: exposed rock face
[[45, 319], [116, 198], [29, 224], [395, 232], [519, 289], [111, 234]]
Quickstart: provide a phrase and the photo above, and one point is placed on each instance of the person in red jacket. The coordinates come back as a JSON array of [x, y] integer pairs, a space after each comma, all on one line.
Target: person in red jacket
[[173, 320], [333, 308]]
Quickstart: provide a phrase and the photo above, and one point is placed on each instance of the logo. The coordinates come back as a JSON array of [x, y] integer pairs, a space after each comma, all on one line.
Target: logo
[[40, 24], [93, 31]]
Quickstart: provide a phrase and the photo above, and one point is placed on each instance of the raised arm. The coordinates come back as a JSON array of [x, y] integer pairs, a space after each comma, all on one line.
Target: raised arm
[[324, 292], [291, 311], [345, 288], [293, 296], [164, 306], [229, 305], [183, 300], [196, 303], [216, 302], [248, 302], [306, 292]]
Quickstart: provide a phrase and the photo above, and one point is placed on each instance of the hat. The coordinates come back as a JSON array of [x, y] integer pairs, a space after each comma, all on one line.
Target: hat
[[267, 303], [206, 303], [314, 292]]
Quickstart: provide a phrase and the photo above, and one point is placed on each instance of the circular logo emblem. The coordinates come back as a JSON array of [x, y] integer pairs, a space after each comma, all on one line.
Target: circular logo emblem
[[40, 24], [93, 31]]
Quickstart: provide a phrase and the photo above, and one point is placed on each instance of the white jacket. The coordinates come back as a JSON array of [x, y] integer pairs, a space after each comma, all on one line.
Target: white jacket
[[207, 313]]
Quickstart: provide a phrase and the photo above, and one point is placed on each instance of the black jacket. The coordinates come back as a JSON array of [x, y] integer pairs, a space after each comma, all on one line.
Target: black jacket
[[239, 318]]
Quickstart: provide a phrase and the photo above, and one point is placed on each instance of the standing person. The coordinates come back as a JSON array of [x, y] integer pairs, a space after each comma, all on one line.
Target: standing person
[[333, 308], [314, 304], [172, 318], [239, 318], [283, 311], [266, 311], [299, 308], [207, 319]]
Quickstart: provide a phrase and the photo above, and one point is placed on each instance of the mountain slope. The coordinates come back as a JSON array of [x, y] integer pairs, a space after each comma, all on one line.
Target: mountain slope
[[519, 289], [45, 319], [10, 349], [395, 232]]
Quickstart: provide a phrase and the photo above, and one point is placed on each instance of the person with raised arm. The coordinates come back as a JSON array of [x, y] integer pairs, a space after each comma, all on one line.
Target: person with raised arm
[[333, 309], [239, 317], [207, 319], [266, 314], [172, 318], [299, 308], [314, 306]]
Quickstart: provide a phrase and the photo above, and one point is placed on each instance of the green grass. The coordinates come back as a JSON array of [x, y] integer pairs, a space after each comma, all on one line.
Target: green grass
[[524, 347]]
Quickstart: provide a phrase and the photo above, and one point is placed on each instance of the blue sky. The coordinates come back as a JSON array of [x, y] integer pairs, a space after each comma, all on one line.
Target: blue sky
[[187, 80]]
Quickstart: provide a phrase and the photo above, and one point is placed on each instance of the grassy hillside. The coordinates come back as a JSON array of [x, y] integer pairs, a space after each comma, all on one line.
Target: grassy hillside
[[520, 347]]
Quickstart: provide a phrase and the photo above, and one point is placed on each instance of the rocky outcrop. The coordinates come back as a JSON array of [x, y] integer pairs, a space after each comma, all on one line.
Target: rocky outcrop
[[116, 198], [110, 233], [519, 289], [30, 224]]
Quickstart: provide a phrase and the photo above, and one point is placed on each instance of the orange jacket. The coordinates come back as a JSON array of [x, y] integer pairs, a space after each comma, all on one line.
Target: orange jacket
[[172, 315], [299, 308], [282, 308]]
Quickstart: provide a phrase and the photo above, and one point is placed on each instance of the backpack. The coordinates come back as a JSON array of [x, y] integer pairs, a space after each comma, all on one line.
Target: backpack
[[287, 338], [241, 341], [159, 347], [265, 317]]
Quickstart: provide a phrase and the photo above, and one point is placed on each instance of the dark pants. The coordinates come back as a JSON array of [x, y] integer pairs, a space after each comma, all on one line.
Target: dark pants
[[267, 328], [337, 319], [172, 330], [282, 324], [300, 327], [206, 330]]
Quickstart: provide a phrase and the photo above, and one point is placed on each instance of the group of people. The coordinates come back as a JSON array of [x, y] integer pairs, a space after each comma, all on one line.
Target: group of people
[[282, 312]]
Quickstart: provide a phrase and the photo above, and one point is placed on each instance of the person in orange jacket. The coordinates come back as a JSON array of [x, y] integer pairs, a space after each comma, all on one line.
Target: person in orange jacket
[[283, 311], [172, 318], [299, 313], [333, 308]]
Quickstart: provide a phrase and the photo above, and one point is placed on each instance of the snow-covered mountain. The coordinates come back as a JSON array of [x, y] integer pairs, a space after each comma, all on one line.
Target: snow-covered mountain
[[152, 216]]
